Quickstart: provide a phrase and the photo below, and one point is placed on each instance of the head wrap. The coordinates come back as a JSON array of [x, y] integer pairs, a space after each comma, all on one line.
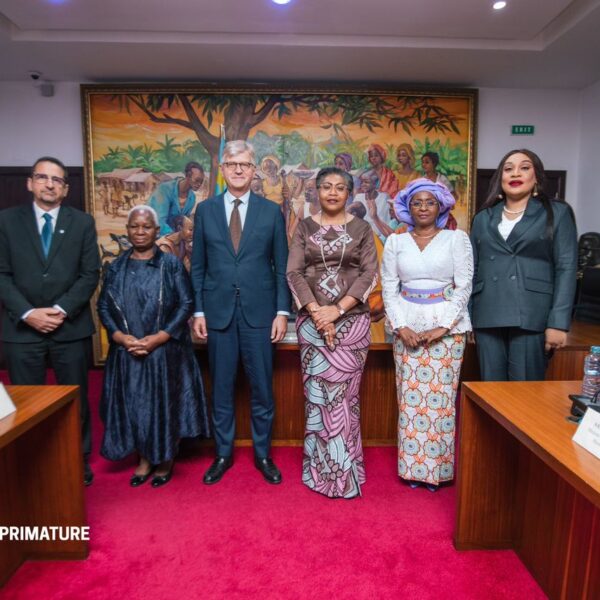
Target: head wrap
[[409, 150], [438, 190], [275, 160], [347, 158], [379, 149]]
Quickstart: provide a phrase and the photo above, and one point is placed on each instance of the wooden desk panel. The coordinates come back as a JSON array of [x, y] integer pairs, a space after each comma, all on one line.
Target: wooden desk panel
[[41, 471], [524, 484], [379, 412]]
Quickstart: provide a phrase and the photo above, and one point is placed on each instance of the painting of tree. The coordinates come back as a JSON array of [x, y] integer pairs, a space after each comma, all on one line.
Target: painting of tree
[[141, 137], [241, 114]]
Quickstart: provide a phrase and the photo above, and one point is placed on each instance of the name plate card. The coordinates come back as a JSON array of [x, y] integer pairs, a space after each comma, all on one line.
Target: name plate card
[[7, 406], [588, 432]]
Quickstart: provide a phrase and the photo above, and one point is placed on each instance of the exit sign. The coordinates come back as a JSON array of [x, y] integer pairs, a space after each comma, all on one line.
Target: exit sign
[[523, 130]]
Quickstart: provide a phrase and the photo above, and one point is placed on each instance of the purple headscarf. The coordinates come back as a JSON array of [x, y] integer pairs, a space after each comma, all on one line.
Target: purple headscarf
[[439, 191], [347, 158]]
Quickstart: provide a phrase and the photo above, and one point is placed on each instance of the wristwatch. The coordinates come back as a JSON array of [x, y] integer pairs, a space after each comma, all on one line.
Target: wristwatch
[[342, 311]]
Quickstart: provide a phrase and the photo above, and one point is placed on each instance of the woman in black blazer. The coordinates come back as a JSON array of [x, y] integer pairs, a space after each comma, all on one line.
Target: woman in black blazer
[[525, 251]]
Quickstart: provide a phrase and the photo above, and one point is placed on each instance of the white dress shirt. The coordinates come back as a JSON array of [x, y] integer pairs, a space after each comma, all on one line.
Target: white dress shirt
[[506, 225], [229, 199], [40, 222], [39, 217]]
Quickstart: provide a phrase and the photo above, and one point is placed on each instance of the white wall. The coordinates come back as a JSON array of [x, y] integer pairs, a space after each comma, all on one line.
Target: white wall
[[556, 115], [31, 126], [588, 208]]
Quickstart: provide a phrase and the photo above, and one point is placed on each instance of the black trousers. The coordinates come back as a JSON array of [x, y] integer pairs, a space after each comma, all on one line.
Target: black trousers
[[511, 354], [27, 366]]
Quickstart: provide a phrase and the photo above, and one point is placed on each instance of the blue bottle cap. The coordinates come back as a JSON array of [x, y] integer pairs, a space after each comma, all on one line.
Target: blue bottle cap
[[595, 349]]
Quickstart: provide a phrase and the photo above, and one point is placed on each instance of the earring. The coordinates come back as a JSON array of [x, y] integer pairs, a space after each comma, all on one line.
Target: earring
[[500, 196], [535, 190]]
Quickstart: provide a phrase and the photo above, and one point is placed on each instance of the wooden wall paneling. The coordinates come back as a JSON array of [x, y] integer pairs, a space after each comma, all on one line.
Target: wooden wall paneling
[[555, 186]]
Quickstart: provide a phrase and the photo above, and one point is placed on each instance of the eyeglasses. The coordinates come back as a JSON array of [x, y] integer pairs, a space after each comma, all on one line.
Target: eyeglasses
[[43, 178], [233, 166], [340, 188], [420, 203]]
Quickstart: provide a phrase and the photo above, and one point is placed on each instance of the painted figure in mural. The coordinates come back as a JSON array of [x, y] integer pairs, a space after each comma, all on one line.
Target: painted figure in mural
[[406, 172], [104, 195], [256, 185], [241, 303], [177, 197], [374, 200], [427, 278], [388, 184], [49, 269], [273, 181], [179, 243], [525, 247], [306, 203], [343, 160], [429, 163], [152, 394], [357, 209], [332, 268]]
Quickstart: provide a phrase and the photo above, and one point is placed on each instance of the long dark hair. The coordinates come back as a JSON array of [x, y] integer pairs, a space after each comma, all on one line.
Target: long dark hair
[[496, 194]]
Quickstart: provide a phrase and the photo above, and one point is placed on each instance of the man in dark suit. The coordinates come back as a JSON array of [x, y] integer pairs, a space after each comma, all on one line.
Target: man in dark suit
[[242, 301], [49, 269]]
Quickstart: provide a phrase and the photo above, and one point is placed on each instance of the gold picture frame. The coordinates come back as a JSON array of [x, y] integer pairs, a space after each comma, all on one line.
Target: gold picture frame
[[139, 136]]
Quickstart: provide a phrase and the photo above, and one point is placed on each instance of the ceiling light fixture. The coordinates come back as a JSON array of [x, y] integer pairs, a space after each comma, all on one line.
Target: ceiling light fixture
[[499, 5], [282, 1]]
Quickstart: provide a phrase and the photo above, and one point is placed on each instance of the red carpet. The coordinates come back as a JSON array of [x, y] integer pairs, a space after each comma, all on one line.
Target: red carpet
[[244, 538]]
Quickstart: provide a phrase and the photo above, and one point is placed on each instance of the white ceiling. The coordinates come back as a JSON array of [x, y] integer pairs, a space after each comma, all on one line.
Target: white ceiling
[[531, 43]]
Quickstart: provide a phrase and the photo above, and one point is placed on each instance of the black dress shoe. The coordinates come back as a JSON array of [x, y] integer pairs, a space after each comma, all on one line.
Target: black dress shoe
[[217, 469], [267, 467], [88, 475], [160, 480], [137, 480]]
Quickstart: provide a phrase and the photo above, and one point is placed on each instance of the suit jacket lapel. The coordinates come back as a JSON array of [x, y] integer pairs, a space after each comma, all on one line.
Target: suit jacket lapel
[[495, 218], [28, 215], [61, 229], [249, 222], [220, 218], [529, 218]]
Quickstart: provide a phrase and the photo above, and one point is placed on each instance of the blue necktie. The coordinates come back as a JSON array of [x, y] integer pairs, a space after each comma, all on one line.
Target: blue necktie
[[47, 233]]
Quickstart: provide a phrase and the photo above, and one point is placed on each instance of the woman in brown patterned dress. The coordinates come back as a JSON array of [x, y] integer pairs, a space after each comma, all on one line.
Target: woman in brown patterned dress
[[332, 267]]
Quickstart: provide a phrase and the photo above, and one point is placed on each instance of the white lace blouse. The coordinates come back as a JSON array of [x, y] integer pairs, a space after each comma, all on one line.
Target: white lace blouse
[[447, 259]]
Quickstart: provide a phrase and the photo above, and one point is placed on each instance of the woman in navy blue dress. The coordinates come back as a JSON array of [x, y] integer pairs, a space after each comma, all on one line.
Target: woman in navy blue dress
[[152, 394]]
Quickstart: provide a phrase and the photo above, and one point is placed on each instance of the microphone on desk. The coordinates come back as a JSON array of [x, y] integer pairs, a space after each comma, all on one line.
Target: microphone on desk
[[582, 403]]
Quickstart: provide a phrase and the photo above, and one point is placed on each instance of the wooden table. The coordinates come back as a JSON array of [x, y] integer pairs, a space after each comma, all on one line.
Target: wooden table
[[41, 473], [524, 484]]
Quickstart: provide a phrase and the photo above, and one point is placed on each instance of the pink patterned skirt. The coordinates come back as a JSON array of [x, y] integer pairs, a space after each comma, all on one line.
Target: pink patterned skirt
[[333, 455]]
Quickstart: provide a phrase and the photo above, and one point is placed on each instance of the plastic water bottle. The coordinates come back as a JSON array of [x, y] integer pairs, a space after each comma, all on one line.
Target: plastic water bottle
[[591, 372]]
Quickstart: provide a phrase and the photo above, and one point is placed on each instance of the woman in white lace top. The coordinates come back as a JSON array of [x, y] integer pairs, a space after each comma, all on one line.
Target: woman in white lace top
[[427, 279]]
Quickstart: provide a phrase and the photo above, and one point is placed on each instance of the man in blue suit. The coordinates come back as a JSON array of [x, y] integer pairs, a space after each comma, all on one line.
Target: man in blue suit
[[242, 301]]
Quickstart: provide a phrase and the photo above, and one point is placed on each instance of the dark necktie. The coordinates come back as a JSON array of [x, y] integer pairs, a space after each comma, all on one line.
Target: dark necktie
[[47, 233], [235, 225]]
